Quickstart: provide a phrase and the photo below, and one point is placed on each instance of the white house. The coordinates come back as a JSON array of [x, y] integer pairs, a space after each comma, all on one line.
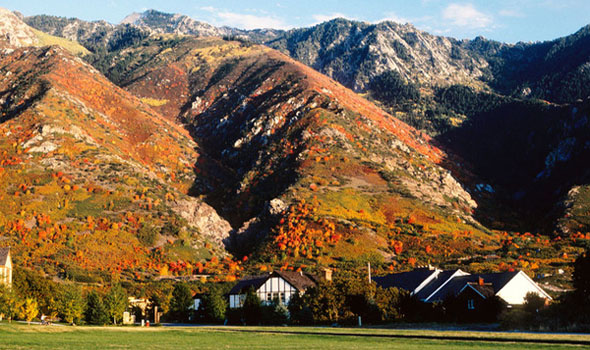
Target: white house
[[5, 267], [281, 285], [197, 299], [431, 284]]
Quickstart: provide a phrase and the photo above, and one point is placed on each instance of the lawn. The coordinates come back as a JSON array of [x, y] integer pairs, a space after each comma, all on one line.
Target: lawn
[[13, 336]]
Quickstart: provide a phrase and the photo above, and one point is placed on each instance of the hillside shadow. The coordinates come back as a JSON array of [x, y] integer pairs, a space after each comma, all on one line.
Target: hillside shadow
[[15, 108], [222, 167], [521, 150]]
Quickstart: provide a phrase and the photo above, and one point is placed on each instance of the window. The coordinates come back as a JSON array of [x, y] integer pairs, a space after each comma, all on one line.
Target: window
[[470, 304], [269, 297], [283, 300]]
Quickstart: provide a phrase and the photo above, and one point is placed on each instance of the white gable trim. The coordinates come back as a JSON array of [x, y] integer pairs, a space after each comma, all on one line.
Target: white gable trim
[[470, 286], [530, 281], [426, 281], [274, 286], [456, 274]]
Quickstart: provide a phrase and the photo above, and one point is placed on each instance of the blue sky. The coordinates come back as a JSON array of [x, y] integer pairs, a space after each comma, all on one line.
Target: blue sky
[[503, 20]]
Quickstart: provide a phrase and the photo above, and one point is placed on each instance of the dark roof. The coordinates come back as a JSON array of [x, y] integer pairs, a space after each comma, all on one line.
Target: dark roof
[[497, 281], [486, 290], [4, 252], [249, 281], [298, 280], [404, 280], [434, 284], [451, 288]]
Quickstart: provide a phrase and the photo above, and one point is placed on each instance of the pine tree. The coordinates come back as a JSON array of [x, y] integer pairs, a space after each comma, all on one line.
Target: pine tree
[[95, 309], [182, 299], [213, 306]]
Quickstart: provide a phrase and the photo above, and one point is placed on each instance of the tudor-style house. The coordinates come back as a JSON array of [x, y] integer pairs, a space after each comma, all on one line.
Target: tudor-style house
[[281, 285], [5, 267], [433, 285]]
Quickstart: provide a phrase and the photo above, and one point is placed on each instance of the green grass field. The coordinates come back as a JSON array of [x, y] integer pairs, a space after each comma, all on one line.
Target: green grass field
[[13, 336]]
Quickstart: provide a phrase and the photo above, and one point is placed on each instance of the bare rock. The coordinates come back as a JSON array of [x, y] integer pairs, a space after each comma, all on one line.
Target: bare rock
[[277, 206], [45, 147], [205, 218]]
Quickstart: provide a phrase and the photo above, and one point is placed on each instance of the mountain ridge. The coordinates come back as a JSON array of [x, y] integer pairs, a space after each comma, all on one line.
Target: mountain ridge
[[306, 170]]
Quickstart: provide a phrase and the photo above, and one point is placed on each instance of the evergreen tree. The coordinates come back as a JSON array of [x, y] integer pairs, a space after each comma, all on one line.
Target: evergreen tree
[[95, 309], [213, 306], [581, 279], [252, 308], [299, 312], [182, 299]]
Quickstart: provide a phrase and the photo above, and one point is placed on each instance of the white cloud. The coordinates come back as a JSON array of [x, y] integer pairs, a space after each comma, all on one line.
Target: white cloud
[[466, 16], [220, 17], [392, 16], [320, 18], [421, 21], [247, 21], [208, 8]]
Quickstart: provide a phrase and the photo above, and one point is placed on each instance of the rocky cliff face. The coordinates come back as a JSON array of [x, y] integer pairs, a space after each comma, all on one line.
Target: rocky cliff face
[[98, 36], [159, 22], [354, 53], [14, 32], [167, 23]]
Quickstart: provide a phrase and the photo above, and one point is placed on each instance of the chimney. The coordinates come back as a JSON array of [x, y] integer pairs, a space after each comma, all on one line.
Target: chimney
[[480, 281], [327, 274]]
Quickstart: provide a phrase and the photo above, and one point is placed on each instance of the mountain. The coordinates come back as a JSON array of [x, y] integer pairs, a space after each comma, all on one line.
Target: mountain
[[279, 135], [479, 97], [100, 36], [531, 154], [376, 57], [355, 53], [555, 70], [167, 23], [15, 33], [89, 172], [397, 65], [308, 172]]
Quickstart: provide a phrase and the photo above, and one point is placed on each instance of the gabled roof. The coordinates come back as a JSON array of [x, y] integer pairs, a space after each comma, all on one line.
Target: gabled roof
[[436, 285], [497, 280], [405, 280], [298, 280], [485, 290], [4, 253], [437, 282], [249, 282]]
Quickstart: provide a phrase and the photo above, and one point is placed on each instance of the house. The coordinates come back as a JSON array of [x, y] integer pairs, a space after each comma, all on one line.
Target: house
[[197, 298], [281, 285], [5, 267], [433, 285], [475, 302]]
